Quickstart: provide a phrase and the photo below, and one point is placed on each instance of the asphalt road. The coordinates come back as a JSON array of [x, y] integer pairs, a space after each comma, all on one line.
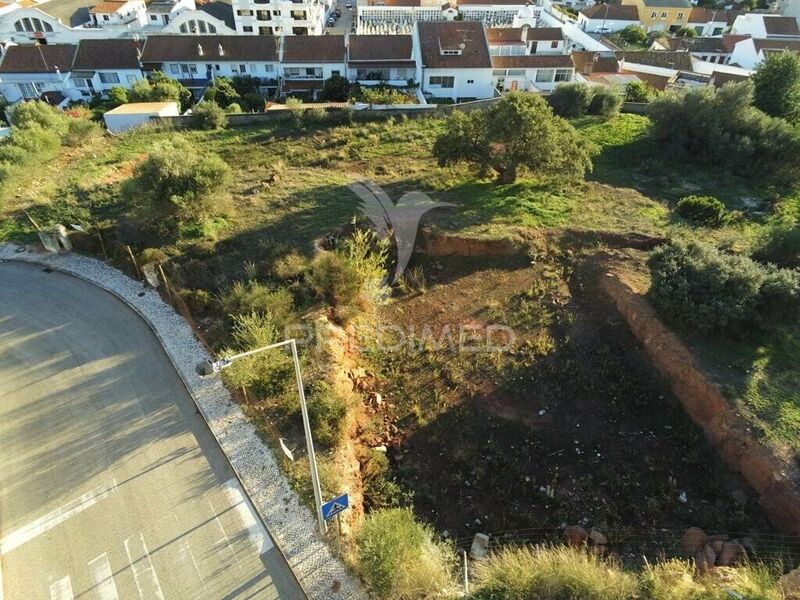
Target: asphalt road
[[111, 484]]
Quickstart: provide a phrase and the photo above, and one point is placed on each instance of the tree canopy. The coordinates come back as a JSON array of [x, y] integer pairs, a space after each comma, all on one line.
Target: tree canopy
[[777, 86], [159, 88], [519, 131]]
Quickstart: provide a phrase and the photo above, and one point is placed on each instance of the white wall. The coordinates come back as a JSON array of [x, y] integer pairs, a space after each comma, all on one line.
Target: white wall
[[480, 87], [526, 81], [745, 55], [571, 30], [126, 79], [60, 34], [591, 25], [265, 70], [45, 82], [328, 70]]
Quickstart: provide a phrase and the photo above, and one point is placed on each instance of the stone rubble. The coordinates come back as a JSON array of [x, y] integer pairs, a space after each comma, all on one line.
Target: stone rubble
[[291, 524]]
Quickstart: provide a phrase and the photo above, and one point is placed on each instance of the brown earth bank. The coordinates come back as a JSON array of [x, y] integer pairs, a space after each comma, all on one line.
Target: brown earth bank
[[766, 473], [572, 424]]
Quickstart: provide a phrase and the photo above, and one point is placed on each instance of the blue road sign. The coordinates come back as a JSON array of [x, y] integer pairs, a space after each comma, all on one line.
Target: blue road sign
[[333, 507]]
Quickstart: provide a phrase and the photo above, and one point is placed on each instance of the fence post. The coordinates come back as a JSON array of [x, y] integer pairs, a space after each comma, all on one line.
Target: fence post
[[466, 573]]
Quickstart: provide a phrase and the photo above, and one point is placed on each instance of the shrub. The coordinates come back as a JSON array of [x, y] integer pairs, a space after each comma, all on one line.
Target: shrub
[[675, 580], [336, 89], [334, 279], [709, 290], [267, 374], [314, 116], [295, 106], [81, 131], [380, 490], [606, 101], [291, 266], [686, 32], [233, 109], [571, 99], [635, 35], [222, 92], [35, 141], [704, 210], [399, 559], [781, 246], [551, 572], [255, 297], [724, 129], [117, 96], [160, 88], [639, 91], [179, 183], [326, 412], [39, 113], [777, 86], [384, 95], [209, 115]]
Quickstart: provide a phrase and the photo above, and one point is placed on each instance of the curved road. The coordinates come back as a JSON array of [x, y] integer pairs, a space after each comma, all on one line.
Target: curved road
[[111, 484]]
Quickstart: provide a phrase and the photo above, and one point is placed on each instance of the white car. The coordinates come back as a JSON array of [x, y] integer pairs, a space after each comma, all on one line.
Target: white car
[[602, 30]]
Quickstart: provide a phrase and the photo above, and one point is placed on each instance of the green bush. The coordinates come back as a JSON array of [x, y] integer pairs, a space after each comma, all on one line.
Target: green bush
[[571, 99], [335, 279], [639, 91], [700, 287], [209, 115], [314, 116], [545, 572], [780, 246], [222, 92], [291, 266], [777, 85], [635, 35], [244, 298], [233, 109], [722, 128], [180, 183], [399, 559], [42, 114], [160, 88], [380, 489], [118, 96], [336, 89], [81, 131], [35, 142], [704, 210], [326, 412], [606, 101]]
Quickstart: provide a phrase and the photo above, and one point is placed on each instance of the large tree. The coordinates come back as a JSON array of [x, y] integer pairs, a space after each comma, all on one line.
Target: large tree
[[518, 131], [777, 86]]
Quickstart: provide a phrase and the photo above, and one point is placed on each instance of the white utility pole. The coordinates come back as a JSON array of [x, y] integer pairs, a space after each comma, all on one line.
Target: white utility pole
[[211, 367]]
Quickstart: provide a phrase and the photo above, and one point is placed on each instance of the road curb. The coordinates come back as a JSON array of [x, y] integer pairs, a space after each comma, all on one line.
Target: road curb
[[292, 526]]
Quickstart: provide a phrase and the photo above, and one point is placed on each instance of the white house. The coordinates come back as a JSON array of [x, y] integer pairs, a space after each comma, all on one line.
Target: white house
[[31, 72], [195, 60], [531, 73], [119, 12], [608, 18], [161, 13], [761, 26], [280, 17], [100, 65], [455, 60], [748, 53], [711, 22], [207, 19], [376, 59], [127, 116], [507, 41], [307, 62]]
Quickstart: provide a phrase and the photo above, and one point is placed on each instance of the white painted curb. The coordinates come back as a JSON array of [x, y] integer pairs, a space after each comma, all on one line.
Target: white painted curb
[[292, 525]]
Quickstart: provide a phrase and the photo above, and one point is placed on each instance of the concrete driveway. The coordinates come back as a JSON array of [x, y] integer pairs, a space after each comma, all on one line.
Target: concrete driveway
[[112, 485]]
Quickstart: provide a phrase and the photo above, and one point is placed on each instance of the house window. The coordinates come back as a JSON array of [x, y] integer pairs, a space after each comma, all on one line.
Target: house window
[[132, 79], [28, 90], [217, 68], [717, 31], [516, 71], [441, 81], [244, 12], [105, 17], [653, 15], [563, 75], [336, 73], [554, 44], [18, 26], [545, 75], [276, 13], [154, 17], [499, 72], [247, 29], [263, 15], [680, 16], [175, 69], [664, 15], [470, 81], [109, 78], [269, 68], [265, 30]]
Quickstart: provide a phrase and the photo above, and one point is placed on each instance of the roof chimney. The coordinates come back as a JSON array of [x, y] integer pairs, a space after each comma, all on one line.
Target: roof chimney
[[199, 50], [588, 68], [221, 51]]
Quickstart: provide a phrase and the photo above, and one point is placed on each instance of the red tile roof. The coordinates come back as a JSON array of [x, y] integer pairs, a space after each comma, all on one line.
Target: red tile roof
[[466, 37], [31, 58]]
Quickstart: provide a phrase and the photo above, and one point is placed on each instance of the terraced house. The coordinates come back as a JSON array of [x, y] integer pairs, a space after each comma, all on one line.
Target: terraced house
[[662, 15]]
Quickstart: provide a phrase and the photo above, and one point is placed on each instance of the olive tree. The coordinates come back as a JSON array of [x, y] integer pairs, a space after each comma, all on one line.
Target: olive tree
[[519, 131]]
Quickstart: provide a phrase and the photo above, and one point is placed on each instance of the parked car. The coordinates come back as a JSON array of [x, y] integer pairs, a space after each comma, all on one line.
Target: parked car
[[349, 5], [602, 30], [331, 21]]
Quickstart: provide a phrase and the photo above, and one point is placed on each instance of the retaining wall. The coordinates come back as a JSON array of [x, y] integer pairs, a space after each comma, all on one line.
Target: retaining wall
[[726, 431]]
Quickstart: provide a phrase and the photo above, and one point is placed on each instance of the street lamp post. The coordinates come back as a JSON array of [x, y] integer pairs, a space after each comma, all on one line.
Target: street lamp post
[[208, 367]]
